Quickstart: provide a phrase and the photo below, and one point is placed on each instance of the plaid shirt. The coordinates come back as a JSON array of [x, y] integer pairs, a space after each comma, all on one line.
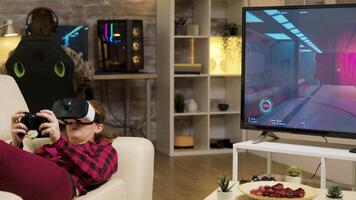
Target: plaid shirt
[[89, 164]]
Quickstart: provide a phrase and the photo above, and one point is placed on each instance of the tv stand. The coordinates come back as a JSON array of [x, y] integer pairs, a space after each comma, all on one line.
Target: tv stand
[[263, 136], [301, 148]]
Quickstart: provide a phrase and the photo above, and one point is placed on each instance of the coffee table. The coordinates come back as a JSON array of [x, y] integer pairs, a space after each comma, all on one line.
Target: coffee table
[[348, 195]]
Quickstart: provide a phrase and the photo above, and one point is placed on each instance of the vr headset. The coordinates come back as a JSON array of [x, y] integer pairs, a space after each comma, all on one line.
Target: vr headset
[[75, 110]]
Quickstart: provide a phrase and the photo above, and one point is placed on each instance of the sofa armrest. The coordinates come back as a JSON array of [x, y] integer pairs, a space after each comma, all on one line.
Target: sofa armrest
[[136, 166]]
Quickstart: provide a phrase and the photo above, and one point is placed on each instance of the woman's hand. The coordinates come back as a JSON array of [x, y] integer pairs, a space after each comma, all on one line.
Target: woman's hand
[[18, 129], [51, 127]]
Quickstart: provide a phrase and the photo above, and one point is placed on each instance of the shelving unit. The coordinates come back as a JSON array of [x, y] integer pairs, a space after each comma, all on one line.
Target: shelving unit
[[209, 87]]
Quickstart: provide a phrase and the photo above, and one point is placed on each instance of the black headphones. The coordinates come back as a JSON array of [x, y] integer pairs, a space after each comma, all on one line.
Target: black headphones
[[48, 10]]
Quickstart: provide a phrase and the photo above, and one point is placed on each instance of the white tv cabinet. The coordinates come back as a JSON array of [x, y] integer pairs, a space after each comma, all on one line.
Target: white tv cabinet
[[296, 148]]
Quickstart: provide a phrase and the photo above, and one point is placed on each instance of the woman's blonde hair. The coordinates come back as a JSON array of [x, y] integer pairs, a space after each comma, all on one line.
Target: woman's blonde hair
[[99, 109]]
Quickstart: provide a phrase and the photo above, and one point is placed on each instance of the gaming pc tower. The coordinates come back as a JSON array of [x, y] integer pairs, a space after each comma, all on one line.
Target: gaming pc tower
[[120, 45]]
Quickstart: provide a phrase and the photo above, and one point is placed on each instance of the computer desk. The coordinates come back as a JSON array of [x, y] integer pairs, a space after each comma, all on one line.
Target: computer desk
[[127, 77]]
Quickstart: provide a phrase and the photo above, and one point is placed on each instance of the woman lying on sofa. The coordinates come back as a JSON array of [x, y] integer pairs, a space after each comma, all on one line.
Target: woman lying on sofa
[[71, 166]]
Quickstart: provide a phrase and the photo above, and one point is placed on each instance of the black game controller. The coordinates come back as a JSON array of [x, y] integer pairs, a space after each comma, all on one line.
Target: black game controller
[[33, 122]]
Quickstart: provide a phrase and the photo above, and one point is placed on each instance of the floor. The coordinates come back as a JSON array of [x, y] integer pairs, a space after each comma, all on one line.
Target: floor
[[193, 177]]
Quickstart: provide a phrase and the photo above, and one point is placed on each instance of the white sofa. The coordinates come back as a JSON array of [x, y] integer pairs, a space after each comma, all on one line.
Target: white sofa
[[132, 181]]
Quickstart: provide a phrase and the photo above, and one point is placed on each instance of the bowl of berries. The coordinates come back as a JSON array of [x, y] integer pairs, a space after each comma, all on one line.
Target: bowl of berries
[[271, 190]]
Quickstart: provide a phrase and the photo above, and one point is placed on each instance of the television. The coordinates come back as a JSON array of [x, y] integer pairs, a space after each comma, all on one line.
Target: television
[[299, 69], [74, 37]]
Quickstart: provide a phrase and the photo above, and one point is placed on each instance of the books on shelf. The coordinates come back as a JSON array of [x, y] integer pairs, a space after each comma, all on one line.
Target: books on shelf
[[187, 68]]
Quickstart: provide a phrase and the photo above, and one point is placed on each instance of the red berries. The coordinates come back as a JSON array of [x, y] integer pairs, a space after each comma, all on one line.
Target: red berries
[[278, 191]]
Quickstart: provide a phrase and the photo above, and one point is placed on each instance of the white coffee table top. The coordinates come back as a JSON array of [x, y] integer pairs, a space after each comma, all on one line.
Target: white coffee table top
[[348, 195], [9, 196]]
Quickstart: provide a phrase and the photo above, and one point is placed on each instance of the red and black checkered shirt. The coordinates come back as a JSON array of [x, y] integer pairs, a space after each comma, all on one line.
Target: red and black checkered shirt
[[89, 164]]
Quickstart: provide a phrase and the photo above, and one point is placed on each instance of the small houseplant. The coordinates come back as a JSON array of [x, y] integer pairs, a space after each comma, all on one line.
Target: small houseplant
[[334, 193], [224, 192], [179, 102], [179, 28], [229, 30], [294, 175]]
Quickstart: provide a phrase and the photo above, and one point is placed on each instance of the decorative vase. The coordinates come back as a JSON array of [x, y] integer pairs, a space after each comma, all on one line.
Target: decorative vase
[[294, 179], [224, 195], [193, 29], [218, 69], [223, 106], [192, 106]]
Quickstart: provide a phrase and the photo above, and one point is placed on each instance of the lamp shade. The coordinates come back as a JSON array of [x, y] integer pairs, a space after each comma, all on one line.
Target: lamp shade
[[10, 30]]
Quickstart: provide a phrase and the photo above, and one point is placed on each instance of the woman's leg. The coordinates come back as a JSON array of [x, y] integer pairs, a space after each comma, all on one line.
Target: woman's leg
[[31, 176]]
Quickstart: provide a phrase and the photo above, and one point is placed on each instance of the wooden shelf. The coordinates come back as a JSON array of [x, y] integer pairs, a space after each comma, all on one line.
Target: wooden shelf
[[225, 75], [190, 75], [218, 151], [191, 37], [190, 114], [225, 112]]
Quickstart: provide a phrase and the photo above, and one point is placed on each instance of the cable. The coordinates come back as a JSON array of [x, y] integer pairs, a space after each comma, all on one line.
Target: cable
[[317, 169], [106, 89], [120, 124]]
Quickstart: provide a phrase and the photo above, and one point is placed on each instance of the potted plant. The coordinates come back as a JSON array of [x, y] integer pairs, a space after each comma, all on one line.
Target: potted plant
[[229, 30], [224, 192], [179, 28], [294, 175], [179, 102], [334, 193]]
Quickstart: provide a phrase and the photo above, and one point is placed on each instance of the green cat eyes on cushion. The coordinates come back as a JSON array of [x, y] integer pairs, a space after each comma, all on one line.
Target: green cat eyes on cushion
[[60, 69], [19, 69]]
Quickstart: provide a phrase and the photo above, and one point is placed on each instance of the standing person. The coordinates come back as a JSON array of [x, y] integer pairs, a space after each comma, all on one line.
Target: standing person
[[71, 166]]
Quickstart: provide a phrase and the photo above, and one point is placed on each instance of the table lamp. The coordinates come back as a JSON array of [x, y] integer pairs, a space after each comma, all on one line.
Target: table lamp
[[9, 42], [10, 30]]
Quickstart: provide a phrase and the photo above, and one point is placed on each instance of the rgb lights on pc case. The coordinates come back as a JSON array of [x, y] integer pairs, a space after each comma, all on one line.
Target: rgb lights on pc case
[[120, 45]]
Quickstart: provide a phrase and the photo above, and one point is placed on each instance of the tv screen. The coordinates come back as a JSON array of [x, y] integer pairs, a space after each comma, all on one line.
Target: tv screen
[[299, 69], [74, 37]]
